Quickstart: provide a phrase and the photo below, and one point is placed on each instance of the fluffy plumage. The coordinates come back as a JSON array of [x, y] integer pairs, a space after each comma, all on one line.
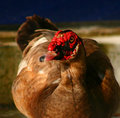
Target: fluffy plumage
[[80, 87]]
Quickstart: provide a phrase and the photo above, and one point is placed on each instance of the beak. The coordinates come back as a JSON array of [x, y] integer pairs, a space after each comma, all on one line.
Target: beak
[[50, 55]]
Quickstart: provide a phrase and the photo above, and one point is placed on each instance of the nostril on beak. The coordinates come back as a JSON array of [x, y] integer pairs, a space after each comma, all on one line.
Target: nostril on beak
[[42, 58]]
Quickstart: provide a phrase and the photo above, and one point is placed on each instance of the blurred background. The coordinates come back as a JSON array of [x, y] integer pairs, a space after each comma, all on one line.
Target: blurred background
[[96, 19]]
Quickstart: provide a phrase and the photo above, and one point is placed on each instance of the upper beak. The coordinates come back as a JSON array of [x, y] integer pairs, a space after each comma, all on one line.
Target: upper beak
[[50, 55]]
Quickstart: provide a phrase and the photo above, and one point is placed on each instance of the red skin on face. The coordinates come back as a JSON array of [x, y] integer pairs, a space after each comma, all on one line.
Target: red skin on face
[[61, 41]]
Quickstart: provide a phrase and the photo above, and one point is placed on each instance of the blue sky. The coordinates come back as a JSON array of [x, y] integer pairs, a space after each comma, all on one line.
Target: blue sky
[[14, 11]]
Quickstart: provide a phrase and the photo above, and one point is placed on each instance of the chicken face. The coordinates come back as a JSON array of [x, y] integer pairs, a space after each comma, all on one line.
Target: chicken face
[[63, 46]]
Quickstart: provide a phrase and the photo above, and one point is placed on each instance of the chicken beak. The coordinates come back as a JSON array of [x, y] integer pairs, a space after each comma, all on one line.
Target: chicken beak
[[50, 55]]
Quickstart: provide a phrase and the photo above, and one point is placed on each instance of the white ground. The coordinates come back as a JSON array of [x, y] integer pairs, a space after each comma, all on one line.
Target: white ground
[[108, 39]]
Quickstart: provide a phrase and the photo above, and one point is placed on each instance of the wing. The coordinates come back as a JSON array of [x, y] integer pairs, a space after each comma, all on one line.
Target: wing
[[100, 79]]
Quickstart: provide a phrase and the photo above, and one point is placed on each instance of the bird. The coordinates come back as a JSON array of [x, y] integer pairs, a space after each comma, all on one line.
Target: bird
[[62, 75]]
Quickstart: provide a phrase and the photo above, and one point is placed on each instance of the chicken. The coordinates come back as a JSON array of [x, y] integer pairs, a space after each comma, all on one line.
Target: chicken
[[62, 75]]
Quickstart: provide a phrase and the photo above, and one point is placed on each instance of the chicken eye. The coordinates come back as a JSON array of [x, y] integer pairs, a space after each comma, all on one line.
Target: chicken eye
[[42, 58], [71, 39]]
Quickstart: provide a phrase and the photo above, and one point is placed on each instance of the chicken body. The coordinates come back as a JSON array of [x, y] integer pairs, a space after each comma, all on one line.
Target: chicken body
[[82, 87]]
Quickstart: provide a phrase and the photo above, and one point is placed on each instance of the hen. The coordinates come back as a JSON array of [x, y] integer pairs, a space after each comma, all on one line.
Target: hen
[[62, 75]]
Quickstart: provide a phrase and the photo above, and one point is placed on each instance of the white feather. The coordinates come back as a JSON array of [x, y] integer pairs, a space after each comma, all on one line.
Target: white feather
[[56, 81], [39, 41], [22, 65], [41, 72]]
